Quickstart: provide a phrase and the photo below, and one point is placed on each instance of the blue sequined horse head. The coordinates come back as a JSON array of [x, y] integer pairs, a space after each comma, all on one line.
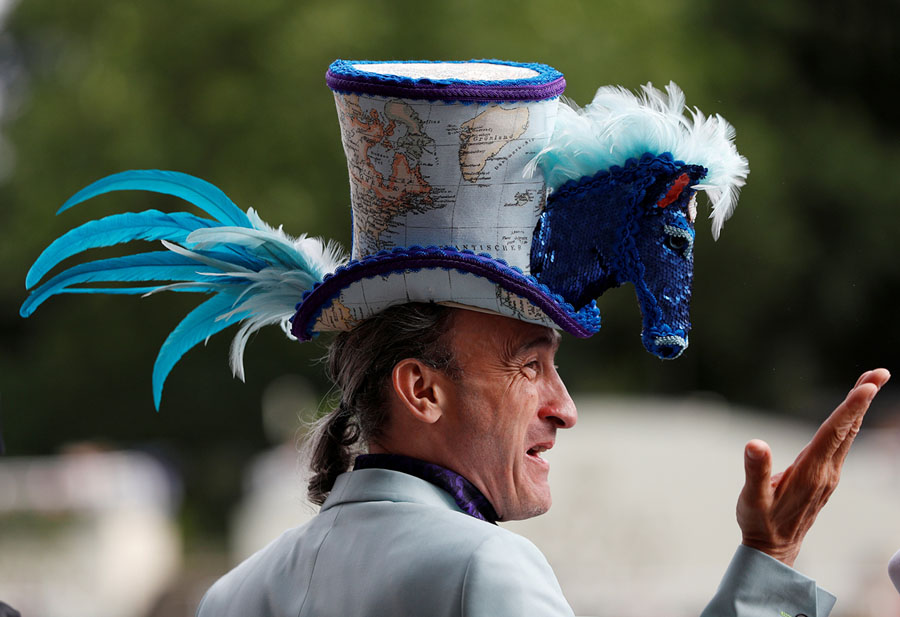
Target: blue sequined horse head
[[629, 224]]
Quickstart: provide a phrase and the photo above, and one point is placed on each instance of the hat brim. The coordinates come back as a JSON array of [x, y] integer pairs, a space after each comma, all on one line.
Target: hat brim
[[491, 285]]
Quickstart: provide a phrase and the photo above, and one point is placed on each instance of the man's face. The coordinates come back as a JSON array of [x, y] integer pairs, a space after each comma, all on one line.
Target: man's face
[[504, 410]]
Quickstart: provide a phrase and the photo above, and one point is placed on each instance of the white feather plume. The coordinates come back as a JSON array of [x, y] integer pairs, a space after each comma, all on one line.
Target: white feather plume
[[269, 296], [619, 125], [265, 297]]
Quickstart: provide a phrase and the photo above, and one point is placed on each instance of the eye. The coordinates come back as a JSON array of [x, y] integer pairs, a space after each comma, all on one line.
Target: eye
[[676, 243], [679, 240], [533, 367]]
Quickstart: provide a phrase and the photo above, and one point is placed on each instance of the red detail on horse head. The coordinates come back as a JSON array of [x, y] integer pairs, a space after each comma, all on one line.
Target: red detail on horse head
[[675, 192]]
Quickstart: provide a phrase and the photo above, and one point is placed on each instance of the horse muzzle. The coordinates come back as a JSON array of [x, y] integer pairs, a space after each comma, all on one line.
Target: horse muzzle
[[667, 346]]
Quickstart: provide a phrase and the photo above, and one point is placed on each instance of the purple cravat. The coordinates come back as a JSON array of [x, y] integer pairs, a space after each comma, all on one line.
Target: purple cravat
[[467, 497]]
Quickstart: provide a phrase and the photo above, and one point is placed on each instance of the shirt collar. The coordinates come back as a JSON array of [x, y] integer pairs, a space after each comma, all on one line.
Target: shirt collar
[[469, 499]]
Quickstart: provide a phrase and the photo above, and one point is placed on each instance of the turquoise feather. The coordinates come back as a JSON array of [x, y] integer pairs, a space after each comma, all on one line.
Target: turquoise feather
[[256, 273], [155, 266], [201, 193], [261, 243], [133, 291], [199, 325], [116, 229]]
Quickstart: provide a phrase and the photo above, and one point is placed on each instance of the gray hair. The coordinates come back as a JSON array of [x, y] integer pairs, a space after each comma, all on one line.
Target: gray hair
[[360, 363]]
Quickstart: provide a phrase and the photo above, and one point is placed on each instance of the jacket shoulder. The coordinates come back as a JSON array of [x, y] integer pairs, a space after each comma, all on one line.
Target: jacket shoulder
[[508, 575]]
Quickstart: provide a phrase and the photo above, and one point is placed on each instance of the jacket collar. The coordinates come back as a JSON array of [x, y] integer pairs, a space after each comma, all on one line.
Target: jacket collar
[[386, 485], [466, 495]]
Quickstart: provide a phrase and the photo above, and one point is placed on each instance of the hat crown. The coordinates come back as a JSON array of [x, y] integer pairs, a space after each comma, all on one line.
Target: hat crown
[[436, 153]]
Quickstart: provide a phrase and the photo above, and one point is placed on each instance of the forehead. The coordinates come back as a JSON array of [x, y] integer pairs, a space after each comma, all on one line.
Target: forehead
[[483, 333]]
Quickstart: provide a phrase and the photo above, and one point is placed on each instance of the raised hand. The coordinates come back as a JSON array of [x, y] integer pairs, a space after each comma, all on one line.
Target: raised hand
[[775, 511]]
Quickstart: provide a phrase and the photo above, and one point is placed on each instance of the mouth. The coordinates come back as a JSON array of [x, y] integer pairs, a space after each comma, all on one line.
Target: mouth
[[535, 452]]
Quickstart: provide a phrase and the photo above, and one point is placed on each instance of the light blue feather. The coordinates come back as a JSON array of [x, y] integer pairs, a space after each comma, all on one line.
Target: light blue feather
[[155, 266], [125, 291], [255, 272], [131, 291], [235, 255], [619, 125], [312, 261], [116, 229], [201, 193], [264, 244], [199, 325]]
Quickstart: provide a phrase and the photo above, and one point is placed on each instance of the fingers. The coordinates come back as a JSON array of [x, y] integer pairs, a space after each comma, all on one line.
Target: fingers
[[757, 472], [844, 433], [775, 511], [838, 431], [834, 437], [879, 377]]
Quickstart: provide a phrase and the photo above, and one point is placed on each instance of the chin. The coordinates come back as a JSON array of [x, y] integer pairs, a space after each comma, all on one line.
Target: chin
[[539, 503]]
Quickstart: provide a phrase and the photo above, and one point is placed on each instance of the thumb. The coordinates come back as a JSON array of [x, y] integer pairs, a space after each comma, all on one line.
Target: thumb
[[757, 471]]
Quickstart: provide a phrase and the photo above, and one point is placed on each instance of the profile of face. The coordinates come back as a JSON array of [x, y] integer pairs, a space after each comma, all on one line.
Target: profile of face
[[503, 410]]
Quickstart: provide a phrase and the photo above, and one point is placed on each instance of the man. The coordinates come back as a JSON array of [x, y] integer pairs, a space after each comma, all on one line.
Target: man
[[483, 399], [487, 215]]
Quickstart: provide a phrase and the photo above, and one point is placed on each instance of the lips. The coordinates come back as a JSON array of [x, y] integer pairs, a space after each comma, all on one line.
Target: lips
[[536, 450]]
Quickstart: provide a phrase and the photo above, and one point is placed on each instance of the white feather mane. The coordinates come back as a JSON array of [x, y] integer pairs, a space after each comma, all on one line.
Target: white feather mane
[[619, 125]]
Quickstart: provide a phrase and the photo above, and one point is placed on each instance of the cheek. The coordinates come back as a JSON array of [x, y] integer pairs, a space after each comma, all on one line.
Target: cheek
[[499, 419], [522, 419], [475, 421]]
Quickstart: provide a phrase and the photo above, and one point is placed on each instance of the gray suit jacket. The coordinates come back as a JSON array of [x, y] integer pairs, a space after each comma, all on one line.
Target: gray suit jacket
[[389, 544]]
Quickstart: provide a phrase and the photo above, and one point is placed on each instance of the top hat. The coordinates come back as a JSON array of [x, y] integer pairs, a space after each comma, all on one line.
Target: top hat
[[472, 184], [443, 210]]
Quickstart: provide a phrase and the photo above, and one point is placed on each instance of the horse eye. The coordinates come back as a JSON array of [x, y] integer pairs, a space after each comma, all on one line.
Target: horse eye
[[676, 243]]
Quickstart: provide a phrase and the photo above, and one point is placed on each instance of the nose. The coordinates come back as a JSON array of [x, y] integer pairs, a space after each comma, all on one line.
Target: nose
[[667, 347], [559, 407]]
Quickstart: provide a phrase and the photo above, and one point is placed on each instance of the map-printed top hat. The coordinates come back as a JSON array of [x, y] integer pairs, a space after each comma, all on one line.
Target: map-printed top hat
[[472, 184], [442, 208]]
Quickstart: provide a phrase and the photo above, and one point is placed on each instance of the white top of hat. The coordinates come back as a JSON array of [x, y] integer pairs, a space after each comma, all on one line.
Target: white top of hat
[[465, 71]]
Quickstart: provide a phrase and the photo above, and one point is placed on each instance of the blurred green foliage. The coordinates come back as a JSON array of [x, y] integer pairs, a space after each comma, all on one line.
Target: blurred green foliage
[[789, 305]]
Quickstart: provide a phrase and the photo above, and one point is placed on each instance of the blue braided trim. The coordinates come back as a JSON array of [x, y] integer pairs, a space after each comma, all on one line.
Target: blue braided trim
[[581, 323], [343, 77], [648, 159]]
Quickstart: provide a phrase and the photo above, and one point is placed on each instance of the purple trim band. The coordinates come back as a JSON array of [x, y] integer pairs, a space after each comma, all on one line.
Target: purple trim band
[[582, 323], [342, 76]]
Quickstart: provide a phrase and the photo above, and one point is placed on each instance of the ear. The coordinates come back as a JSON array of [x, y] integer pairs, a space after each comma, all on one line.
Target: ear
[[420, 389]]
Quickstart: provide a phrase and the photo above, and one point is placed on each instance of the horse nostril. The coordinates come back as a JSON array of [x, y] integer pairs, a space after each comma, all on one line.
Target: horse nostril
[[668, 347]]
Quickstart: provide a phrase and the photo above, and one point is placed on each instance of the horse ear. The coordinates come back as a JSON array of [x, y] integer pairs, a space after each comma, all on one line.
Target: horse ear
[[692, 208]]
